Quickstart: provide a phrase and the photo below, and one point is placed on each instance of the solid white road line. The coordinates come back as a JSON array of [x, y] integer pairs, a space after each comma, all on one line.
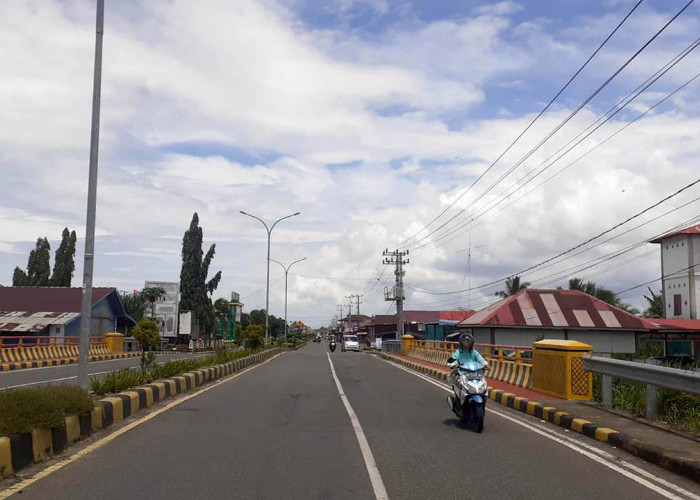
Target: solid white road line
[[372, 469], [591, 452]]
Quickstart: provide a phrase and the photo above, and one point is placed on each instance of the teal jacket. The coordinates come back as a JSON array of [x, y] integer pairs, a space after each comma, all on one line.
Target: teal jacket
[[462, 356]]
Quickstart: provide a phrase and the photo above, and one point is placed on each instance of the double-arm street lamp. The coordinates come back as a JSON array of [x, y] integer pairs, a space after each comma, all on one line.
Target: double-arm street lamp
[[267, 292], [286, 275]]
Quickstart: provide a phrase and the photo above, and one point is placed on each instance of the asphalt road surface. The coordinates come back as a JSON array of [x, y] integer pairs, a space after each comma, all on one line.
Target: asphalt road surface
[[283, 430], [67, 374]]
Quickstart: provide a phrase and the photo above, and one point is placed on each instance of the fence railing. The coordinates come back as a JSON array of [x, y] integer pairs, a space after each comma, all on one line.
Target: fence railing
[[653, 376], [391, 346], [518, 354], [44, 341]]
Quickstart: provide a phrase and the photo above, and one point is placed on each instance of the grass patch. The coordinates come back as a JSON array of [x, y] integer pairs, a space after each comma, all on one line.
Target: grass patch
[[126, 379], [22, 410], [679, 410]]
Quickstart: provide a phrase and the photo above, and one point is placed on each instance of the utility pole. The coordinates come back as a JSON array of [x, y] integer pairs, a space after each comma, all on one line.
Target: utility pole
[[357, 301], [396, 258], [340, 318], [350, 297], [88, 258]]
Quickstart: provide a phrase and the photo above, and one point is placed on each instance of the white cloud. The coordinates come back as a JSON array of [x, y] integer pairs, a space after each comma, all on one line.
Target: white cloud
[[357, 133]]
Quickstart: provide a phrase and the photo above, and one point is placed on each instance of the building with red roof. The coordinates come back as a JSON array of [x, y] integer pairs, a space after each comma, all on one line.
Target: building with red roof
[[56, 311], [530, 315]]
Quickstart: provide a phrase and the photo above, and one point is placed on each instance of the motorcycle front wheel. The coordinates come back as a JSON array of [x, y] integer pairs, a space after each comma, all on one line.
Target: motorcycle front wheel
[[479, 419]]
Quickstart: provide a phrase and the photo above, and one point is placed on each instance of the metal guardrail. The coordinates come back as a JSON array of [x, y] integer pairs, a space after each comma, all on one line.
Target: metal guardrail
[[653, 376], [391, 346]]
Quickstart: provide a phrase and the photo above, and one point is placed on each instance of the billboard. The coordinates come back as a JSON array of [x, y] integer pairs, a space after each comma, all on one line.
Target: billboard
[[166, 309]]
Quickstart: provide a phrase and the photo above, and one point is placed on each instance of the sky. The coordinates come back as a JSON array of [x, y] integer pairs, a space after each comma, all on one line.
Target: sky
[[370, 118]]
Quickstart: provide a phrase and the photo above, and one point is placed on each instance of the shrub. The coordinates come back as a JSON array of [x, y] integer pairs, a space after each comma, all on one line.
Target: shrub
[[22, 410], [125, 379]]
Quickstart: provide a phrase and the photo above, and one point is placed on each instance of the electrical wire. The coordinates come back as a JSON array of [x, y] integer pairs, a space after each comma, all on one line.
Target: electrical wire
[[462, 227], [510, 146]]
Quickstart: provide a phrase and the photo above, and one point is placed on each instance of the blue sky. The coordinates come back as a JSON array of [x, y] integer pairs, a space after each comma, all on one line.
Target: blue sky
[[368, 116]]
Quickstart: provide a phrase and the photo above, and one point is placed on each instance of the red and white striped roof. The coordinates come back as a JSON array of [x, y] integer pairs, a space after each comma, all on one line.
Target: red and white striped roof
[[556, 309]]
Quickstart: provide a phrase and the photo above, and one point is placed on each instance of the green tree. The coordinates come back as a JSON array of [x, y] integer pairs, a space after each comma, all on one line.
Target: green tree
[[134, 305], [64, 261], [39, 264], [600, 293], [151, 295], [513, 286], [195, 290], [19, 278], [656, 305], [147, 334], [253, 336]]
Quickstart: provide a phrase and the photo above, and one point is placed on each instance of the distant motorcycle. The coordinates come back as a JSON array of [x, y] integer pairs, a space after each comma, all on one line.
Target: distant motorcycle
[[470, 394], [332, 345]]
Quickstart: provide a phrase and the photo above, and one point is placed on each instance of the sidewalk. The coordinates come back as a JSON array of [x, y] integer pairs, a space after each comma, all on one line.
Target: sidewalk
[[667, 448]]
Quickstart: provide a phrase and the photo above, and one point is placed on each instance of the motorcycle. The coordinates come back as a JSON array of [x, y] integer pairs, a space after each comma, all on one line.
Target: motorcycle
[[470, 394], [332, 345]]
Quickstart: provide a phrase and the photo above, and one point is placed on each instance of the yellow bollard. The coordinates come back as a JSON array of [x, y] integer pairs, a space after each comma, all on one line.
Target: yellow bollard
[[406, 344], [114, 342], [557, 369]]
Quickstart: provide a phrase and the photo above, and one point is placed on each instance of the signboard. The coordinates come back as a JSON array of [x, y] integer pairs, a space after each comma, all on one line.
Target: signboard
[[378, 343], [235, 297], [166, 309]]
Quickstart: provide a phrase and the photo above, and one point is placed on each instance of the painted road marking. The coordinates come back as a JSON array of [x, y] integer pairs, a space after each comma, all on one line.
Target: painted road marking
[[19, 487], [371, 466], [39, 382], [591, 452]]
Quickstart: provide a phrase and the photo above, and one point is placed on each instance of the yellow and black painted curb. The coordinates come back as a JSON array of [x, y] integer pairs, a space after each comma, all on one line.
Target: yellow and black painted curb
[[40, 363], [18, 451], [653, 454]]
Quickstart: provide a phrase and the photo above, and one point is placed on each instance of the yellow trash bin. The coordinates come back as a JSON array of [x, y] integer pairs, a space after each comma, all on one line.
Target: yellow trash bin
[[406, 344], [557, 369], [115, 342]]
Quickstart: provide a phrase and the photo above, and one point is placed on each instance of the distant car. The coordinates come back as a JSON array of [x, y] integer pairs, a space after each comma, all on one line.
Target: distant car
[[350, 343]]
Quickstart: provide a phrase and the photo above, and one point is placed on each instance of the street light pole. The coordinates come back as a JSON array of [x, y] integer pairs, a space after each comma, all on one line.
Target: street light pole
[[267, 288], [88, 258], [286, 275]]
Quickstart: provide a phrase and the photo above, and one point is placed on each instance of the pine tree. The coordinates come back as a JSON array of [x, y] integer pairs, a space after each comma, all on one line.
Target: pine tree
[[39, 264], [195, 290], [64, 264], [19, 277]]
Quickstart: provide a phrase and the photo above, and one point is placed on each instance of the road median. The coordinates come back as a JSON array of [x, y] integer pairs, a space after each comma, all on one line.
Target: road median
[[19, 450]]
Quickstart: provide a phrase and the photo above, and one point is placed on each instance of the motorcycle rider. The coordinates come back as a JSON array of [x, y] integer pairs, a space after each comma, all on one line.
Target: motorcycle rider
[[464, 353]]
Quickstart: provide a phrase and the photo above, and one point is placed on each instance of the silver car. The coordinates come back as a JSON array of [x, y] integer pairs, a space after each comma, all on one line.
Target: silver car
[[350, 343]]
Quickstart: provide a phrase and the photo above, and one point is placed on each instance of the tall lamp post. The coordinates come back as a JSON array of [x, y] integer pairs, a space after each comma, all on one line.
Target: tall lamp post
[[267, 288], [86, 302], [286, 275]]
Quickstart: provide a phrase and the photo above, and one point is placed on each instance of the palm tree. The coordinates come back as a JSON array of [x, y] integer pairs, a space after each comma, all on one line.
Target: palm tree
[[656, 305], [513, 286], [600, 293]]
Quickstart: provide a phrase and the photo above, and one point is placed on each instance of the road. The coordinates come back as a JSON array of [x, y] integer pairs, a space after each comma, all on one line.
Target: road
[[66, 374], [282, 430]]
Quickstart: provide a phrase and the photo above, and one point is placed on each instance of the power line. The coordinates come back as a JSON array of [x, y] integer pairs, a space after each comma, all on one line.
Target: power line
[[564, 122], [402, 243], [608, 115], [617, 253]]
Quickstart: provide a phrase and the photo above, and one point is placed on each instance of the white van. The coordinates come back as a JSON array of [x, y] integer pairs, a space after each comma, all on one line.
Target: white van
[[350, 343]]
